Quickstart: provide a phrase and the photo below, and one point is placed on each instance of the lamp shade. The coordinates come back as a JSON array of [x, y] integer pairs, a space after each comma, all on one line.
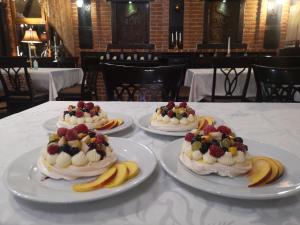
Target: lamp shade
[[31, 37]]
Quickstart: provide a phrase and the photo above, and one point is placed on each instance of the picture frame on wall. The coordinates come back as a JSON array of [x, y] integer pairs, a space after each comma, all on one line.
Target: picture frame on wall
[[29, 12]]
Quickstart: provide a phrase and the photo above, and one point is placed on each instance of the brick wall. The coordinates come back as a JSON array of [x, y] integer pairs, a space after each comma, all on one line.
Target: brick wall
[[253, 33]]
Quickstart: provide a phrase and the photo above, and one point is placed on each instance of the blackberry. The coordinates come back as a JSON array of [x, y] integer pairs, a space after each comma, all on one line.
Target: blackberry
[[85, 110], [184, 115], [72, 113], [238, 139], [105, 143], [199, 137], [205, 147], [92, 146], [101, 150], [91, 134], [66, 112], [73, 151], [224, 136]]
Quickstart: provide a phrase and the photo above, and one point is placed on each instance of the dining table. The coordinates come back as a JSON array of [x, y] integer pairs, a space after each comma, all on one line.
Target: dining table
[[55, 79], [200, 83], [160, 199]]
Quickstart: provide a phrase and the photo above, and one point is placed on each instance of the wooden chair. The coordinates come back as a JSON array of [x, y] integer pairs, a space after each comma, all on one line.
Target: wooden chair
[[277, 84], [17, 85], [231, 69], [129, 83], [87, 90]]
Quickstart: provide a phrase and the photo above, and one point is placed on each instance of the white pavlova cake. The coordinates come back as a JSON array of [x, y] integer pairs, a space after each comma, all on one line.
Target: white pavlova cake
[[84, 113], [215, 150], [174, 118], [74, 153]]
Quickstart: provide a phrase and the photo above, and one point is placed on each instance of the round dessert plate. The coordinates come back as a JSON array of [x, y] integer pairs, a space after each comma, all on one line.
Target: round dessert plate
[[144, 123], [24, 180], [52, 125], [287, 185]]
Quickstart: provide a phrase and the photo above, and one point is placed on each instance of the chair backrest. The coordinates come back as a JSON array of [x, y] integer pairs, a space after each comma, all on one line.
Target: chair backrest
[[14, 76], [68, 62], [131, 83], [91, 73], [277, 84], [235, 71]]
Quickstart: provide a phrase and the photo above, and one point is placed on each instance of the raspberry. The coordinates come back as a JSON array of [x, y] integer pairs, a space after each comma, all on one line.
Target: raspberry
[[241, 147], [99, 139], [79, 113], [189, 137], [224, 130], [170, 105], [89, 105], [170, 114], [80, 104], [93, 112], [208, 129], [216, 151], [61, 131], [53, 149], [71, 135], [81, 128], [183, 104]]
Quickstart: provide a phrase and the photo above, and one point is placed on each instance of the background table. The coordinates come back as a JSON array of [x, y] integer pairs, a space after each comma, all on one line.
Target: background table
[[161, 199], [200, 83], [55, 79]]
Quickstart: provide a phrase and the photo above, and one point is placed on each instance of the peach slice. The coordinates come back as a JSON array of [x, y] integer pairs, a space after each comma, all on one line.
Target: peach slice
[[280, 167], [107, 125], [133, 169], [120, 177], [89, 186], [202, 123], [274, 174], [261, 170]]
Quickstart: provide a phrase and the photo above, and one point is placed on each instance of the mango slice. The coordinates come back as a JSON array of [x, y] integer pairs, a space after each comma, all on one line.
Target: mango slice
[[261, 170], [120, 177], [133, 169]]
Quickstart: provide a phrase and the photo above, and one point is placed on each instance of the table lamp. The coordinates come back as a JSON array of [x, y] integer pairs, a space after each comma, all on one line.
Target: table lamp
[[31, 38]]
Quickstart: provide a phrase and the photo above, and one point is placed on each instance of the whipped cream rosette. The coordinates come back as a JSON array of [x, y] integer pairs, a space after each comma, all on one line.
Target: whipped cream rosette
[[173, 117], [84, 113], [215, 150], [74, 153]]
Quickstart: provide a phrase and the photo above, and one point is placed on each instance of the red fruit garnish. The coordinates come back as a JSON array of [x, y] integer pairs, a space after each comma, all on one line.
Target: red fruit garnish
[[224, 130], [100, 139], [208, 129], [71, 135], [81, 128], [216, 151], [183, 104], [170, 105], [170, 114], [189, 137], [79, 113], [93, 112], [241, 147], [52, 149], [80, 104], [89, 105], [61, 131]]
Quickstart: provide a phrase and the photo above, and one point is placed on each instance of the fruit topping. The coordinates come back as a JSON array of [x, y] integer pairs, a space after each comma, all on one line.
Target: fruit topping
[[81, 128], [196, 145], [170, 105], [62, 131], [183, 104], [204, 148], [79, 113], [208, 129], [189, 137], [238, 139], [71, 135], [53, 149], [171, 114], [100, 139], [80, 104], [89, 105], [53, 138], [224, 130], [216, 151], [232, 150]]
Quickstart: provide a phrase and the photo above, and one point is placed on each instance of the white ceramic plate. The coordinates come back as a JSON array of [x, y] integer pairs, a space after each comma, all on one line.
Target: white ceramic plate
[[52, 125], [144, 123], [23, 178], [287, 185]]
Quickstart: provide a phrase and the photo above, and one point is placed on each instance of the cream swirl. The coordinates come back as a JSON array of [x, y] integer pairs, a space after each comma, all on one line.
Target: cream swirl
[[51, 158], [208, 158], [226, 159], [197, 155], [93, 156], [240, 157], [79, 159], [63, 160]]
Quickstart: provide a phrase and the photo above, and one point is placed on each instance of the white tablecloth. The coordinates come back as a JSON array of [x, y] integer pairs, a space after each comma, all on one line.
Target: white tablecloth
[[161, 199], [200, 83], [55, 79]]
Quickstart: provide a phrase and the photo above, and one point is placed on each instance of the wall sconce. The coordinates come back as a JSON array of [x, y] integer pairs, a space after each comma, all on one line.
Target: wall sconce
[[79, 3], [177, 7]]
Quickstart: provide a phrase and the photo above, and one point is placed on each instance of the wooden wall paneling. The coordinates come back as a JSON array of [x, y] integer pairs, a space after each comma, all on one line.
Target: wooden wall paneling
[[85, 29], [4, 51]]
